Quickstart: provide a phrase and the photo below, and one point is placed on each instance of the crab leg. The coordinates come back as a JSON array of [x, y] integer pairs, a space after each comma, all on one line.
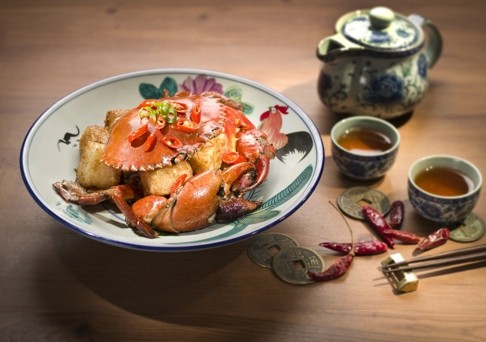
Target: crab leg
[[130, 217], [74, 193]]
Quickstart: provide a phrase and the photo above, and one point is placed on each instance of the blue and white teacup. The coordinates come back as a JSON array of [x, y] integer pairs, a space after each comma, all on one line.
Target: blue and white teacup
[[439, 208], [358, 165]]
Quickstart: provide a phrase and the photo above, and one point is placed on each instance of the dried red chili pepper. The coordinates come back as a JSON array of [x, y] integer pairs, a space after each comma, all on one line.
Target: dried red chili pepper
[[379, 224], [403, 236], [397, 212], [341, 265], [437, 238], [360, 248], [336, 270]]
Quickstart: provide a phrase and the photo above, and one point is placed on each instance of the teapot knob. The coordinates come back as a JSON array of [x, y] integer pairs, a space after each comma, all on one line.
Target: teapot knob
[[381, 17]]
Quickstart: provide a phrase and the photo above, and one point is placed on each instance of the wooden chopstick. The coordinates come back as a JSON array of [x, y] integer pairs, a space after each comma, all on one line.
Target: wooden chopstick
[[454, 257]]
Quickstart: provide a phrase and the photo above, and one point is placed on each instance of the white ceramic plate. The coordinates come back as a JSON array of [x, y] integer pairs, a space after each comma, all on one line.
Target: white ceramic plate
[[50, 153]]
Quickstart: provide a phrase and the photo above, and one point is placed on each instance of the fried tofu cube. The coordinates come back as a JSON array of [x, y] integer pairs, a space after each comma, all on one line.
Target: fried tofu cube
[[209, 156], [92, 172], [112, 116], [160, 181]]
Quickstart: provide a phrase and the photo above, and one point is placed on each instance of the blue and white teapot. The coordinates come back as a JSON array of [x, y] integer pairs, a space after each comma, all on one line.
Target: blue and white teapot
[[377, 63]]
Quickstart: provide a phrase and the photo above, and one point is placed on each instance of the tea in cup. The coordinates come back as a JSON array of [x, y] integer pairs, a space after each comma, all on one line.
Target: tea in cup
[[364, 147], [444, 188]]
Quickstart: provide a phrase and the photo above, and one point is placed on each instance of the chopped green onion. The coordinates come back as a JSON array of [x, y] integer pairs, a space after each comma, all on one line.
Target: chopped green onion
[[156, 109]]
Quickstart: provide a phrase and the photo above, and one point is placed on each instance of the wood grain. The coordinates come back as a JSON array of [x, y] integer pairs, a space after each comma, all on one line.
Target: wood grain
[[56, 285]]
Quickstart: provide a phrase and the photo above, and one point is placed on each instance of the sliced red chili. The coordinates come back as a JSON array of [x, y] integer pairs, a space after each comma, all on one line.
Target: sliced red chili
[[147, 103], [186, 126], [179, 106], [138, 133], [171, 142], [160, 122], [150, 142], [178, 183], [196, 113], [233, 158]]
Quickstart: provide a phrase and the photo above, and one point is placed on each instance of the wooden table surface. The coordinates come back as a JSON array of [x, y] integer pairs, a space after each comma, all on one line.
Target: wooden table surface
[[57, 285]]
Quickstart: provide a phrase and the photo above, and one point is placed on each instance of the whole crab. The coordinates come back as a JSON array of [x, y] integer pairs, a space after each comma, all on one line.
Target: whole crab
[[165, 135]]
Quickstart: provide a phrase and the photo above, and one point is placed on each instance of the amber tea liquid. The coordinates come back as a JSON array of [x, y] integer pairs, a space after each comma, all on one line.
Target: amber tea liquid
[[443, 181], [364, 141]]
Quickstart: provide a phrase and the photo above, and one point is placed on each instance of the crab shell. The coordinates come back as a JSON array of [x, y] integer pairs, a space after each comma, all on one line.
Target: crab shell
[[215, 118]]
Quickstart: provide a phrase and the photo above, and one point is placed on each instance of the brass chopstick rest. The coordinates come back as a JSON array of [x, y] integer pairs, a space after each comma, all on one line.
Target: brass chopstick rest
[[453, 257], [404, 281], [399, 270]]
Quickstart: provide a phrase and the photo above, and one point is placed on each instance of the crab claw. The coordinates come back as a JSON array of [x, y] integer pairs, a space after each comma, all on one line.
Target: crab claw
[[254, 146], [193, 206], [233, 174], [251, 180], [235, 207]]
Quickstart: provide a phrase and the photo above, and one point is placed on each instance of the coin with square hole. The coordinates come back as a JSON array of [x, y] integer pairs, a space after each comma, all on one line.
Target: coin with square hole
[[352, 200], [262, 250], [292, 264], [471, 229]]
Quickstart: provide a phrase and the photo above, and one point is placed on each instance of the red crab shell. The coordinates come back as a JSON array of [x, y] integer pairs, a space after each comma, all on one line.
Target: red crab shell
[[208, 112]]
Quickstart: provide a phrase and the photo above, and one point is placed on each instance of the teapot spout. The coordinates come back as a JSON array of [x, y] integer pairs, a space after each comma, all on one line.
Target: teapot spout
[[331, 47]]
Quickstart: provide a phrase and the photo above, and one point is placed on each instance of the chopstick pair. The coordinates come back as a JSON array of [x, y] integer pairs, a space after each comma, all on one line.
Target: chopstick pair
[[454, 257]]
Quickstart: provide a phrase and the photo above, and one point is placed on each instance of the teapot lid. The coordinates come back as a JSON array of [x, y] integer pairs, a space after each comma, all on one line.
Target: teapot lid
[[380, 29]]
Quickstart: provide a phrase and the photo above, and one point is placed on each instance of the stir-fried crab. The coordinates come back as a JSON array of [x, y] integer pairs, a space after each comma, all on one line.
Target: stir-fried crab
[[175, 164]]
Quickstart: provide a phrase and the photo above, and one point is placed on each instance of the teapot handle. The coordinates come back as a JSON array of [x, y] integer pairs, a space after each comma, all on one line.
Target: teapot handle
[[433, 38]]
